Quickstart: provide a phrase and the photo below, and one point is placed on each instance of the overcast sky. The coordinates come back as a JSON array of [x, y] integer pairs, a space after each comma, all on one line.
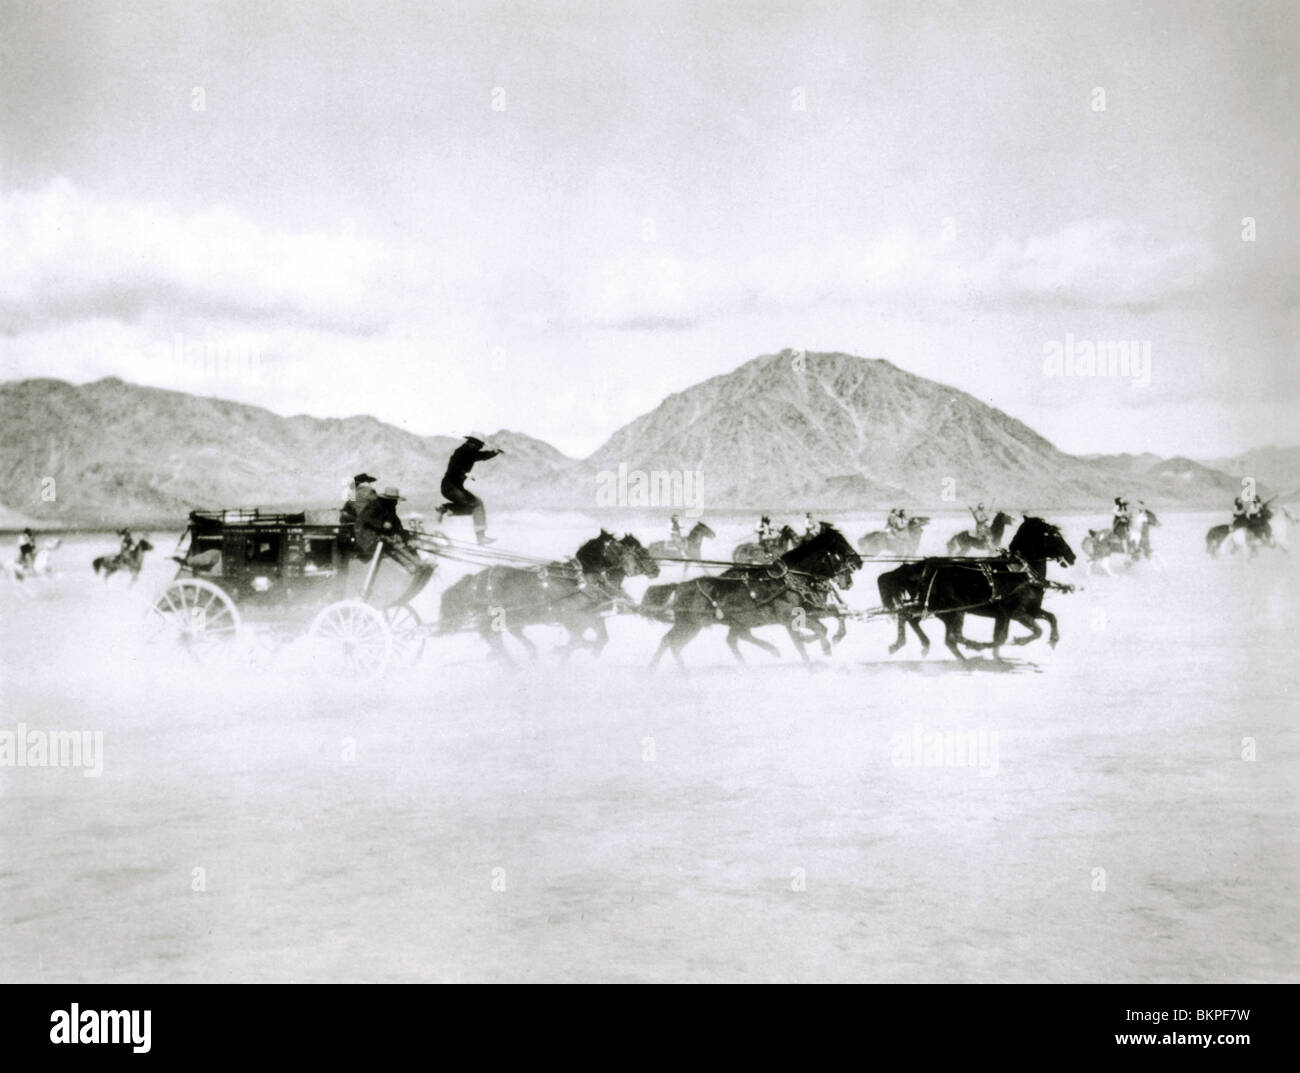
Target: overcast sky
[[547, 216]]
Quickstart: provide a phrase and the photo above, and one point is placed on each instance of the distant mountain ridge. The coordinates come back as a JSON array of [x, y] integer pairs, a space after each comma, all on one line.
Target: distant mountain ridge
[[782, 432]]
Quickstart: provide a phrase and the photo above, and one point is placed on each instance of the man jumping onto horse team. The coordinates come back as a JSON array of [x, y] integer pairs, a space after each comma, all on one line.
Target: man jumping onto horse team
[[461, 501]]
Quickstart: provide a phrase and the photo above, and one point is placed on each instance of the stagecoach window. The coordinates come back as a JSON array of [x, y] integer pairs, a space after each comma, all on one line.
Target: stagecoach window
[[320, 552], [262, 549]]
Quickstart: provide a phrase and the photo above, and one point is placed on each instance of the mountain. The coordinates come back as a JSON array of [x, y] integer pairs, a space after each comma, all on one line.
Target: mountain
[[783, 432], [1276, 468], [118, 451], [832, 430]]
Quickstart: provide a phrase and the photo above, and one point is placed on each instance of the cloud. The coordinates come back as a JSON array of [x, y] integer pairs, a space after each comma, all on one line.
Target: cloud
[[71, 255], [1091, 263]]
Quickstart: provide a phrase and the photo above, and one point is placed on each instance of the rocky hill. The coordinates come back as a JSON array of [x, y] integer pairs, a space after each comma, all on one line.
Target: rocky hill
[[788, 431]]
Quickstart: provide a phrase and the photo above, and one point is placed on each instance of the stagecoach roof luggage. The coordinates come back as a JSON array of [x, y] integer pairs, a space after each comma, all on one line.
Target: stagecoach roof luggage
[[255, 517]]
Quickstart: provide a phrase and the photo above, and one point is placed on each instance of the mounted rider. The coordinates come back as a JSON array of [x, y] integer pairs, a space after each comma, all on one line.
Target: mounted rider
[[1252, 512], [767, 534], [675, 538], [1120, 522], [1144, 541], [461, 501], [810, 527], [26, 550], [127, 543], [981, 516]]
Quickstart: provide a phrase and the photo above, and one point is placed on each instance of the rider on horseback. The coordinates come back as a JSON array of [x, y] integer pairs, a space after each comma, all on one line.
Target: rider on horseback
[[1144, 541], [766, 532], [981, 516], [26, 549], [896, 525], [1120, 521], [675, 538], [1252, 512]]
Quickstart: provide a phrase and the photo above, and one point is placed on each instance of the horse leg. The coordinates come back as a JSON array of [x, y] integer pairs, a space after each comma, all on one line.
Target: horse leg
[[841, 631], [517, 632], [496, 644], [823, 635], [602, 638], [745, 633], [902, 635], [733, 643], [1026, 618], [915, 623], [673, 641], [952, 632], [1055, 635], [1001, 625], [799, 645]]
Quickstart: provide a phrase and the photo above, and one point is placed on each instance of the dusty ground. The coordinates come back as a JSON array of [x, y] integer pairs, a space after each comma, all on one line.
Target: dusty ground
[[580, 822]]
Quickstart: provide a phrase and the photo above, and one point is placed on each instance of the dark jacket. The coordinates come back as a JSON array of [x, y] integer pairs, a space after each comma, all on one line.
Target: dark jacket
[[361, 495], [462, 461], [378, 518]]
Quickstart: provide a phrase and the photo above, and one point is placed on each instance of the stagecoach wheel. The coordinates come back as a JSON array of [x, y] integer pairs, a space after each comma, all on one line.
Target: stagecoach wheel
[[359, 635], [198, 616], [408, 635]]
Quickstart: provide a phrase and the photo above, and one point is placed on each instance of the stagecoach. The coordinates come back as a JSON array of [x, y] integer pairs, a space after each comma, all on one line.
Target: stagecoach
[[248, 581]]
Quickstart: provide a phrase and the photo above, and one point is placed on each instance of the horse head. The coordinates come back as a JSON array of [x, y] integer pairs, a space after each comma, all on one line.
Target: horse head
[[826, 554], [701, 531], [917, 521], [635, 558], [597, 554], [1040, 540]]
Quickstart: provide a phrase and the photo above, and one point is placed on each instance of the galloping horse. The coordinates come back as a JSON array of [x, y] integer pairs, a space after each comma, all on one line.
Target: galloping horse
[[572, 594], [886, 542], [41, 567], [1100, 545], [1007, 587], [130, 561], [796, 589], [758, 552], [1241, 535], [688, 549], [965, 541]]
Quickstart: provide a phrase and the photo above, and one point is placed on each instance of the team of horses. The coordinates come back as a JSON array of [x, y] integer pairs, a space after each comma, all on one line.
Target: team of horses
[[799, 590], [790, 581]]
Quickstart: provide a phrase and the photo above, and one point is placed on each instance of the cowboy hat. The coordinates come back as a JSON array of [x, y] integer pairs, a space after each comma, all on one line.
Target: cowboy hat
[[390, 493], [364, 478]]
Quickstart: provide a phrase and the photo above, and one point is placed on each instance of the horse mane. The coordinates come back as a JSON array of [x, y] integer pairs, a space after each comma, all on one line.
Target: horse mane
[[825, 537]]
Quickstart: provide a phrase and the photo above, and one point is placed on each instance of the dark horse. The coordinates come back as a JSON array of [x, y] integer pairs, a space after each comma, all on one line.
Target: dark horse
[[796, 590], [1003, 588], [757, 551], [130, 561], [883, 541], [965, 541], [688, 549], [572, 594]]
